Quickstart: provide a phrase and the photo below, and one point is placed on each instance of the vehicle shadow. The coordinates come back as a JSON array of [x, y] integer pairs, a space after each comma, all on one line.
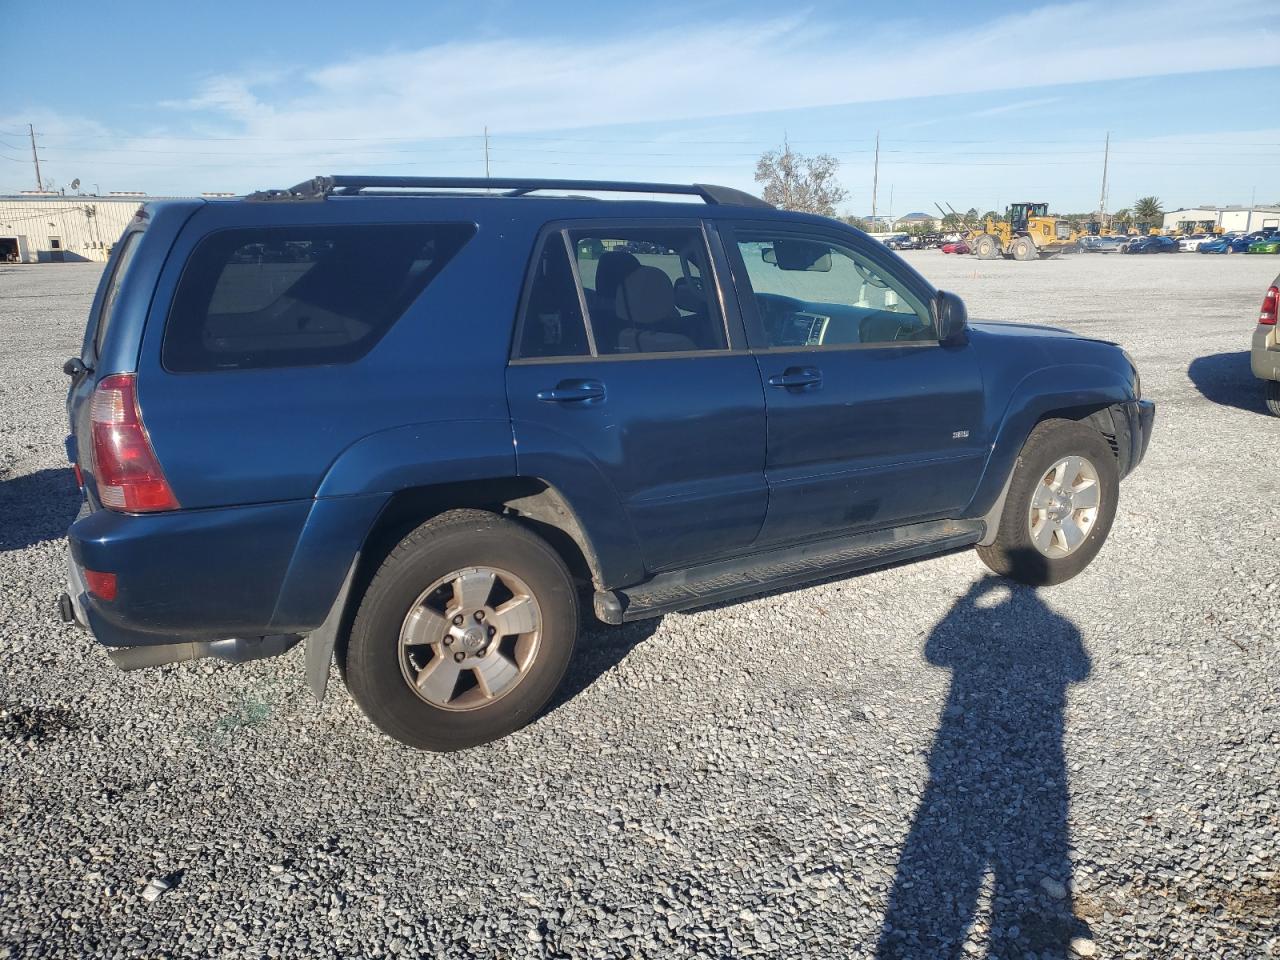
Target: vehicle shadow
[[598, 652], [995, 804], [1228, 380], [36, 507]]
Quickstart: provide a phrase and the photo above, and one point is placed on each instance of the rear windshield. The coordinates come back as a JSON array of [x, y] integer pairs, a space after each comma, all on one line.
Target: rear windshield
[[300, 296]]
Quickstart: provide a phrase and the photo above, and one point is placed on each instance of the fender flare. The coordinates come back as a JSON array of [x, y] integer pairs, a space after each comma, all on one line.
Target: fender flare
[[1082, 388]]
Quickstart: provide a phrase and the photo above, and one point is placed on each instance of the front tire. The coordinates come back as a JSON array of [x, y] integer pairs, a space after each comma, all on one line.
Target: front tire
[[464, 633], [987, 247], [1273, 396], [1060, 507]]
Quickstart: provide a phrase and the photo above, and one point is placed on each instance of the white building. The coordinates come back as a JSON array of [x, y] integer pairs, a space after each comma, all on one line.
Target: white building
[[50, 227], [1244, 219]]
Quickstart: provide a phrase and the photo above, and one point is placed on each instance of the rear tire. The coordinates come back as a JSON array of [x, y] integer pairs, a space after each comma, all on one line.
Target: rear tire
[[1085, 469], [1273, 396], [407, 626]]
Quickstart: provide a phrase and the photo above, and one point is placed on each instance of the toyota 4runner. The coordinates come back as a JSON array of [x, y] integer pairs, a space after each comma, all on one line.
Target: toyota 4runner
[[425, 422]]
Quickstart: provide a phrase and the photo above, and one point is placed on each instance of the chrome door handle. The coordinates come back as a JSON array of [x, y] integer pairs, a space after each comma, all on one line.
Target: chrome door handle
[[573, 391], [797, 378]]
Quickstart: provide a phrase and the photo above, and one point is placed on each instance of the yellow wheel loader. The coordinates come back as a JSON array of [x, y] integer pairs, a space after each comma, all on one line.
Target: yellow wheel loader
[[1027, 232]]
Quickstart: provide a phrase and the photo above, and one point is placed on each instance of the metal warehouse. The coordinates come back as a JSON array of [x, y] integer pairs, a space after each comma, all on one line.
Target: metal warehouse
[[52, 228], [1245, 219]]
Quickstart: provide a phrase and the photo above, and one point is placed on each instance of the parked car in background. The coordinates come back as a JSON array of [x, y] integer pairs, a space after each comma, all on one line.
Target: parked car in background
[[503, 405], [1151, 245], [1265, 356], [1110, 244], [903, 243], [1269, 245], [1192, 243], [930, 241], [956, 246], [1225, 244]]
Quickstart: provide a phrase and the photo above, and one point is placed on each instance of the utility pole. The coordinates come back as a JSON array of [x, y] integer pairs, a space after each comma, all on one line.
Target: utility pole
[[875, 180], [486, 152], [1102, 197], [35, 157]]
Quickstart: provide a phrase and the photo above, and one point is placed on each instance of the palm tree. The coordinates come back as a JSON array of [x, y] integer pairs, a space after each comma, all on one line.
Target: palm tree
[[1148, 209]]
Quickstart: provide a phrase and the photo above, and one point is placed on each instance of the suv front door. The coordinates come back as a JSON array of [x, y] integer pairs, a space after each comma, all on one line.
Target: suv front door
[[654, 402], [872, 422]]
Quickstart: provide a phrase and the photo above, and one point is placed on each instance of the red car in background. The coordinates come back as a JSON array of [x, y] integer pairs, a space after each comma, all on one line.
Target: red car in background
[[959, 246]]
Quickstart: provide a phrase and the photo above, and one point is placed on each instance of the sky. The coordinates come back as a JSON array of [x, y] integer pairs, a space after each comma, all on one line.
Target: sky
[[976, 104]]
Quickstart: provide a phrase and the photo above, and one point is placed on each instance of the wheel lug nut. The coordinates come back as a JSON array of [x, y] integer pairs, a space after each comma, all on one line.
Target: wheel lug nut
[[457, 621], [492, 631], [459, 657], [479, 615], [448, 640], [482, 653]]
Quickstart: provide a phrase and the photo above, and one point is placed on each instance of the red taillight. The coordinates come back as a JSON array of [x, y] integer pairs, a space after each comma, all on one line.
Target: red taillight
[[101, 585], [124, 464], [1269, 305]]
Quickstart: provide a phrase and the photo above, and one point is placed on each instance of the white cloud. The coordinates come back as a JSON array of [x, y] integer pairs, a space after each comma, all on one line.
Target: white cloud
[[295, 113]]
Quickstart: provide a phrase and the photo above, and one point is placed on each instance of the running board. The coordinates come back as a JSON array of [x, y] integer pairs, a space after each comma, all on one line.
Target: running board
[[784, 567]]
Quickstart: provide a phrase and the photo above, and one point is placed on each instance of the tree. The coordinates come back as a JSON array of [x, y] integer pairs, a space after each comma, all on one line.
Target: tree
[[1148, 209], [1123, 215], [990, 215], [858, 223], [796, 182]]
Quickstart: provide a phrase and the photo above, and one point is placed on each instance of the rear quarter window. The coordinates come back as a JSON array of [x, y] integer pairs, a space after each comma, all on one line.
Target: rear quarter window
[[300, 296], [118, 272]]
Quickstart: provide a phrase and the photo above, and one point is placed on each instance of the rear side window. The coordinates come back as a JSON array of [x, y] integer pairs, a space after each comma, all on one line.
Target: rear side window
[[647, 289], [113, 288], [300, 296]]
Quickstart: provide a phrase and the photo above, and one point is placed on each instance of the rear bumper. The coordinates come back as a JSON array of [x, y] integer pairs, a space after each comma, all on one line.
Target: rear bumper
[[185, 576], [1264, 358]]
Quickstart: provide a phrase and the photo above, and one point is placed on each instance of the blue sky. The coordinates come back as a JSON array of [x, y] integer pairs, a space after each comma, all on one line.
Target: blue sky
[[977, 104]]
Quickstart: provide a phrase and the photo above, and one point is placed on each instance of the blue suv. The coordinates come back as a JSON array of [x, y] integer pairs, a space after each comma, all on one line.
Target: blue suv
[[426, 422]]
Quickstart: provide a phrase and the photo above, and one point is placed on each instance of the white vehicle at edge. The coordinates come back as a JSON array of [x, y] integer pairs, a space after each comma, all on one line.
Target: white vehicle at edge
[[1192, 243]]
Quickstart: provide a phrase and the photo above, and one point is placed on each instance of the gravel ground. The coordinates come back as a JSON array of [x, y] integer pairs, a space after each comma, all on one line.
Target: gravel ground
[[961, 769]]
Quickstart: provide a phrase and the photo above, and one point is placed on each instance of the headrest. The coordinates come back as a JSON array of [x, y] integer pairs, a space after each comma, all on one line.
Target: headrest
[[610, 269], [689, 297], [645, 297]]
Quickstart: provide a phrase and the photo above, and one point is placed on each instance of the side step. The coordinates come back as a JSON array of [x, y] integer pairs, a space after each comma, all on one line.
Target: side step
[[786, 567]]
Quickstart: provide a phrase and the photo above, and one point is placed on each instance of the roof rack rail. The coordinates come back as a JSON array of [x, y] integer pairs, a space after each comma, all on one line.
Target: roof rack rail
[[321, 188]]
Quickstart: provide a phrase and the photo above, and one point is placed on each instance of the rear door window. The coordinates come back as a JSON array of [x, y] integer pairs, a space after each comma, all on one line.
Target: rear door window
[[648, 289], [300, 296]]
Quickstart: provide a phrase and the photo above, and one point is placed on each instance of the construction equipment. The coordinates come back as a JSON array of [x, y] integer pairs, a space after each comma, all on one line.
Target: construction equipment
[[1027, 232]]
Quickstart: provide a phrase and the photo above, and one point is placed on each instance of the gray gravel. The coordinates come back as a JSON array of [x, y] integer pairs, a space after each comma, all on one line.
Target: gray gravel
[[919, 762]]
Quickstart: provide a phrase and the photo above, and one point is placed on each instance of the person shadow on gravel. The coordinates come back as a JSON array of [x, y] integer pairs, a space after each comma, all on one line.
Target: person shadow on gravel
[[996, 800]]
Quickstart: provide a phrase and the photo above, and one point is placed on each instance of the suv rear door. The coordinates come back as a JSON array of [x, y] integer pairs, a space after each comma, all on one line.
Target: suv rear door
[[872, 422], [654, 401]]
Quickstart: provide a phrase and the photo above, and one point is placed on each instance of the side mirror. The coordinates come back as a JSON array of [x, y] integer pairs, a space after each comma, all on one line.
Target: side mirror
[[769, 256], [953, 319]]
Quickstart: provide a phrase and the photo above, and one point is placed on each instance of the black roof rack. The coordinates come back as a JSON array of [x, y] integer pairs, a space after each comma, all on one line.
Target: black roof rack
[[321, 188]]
